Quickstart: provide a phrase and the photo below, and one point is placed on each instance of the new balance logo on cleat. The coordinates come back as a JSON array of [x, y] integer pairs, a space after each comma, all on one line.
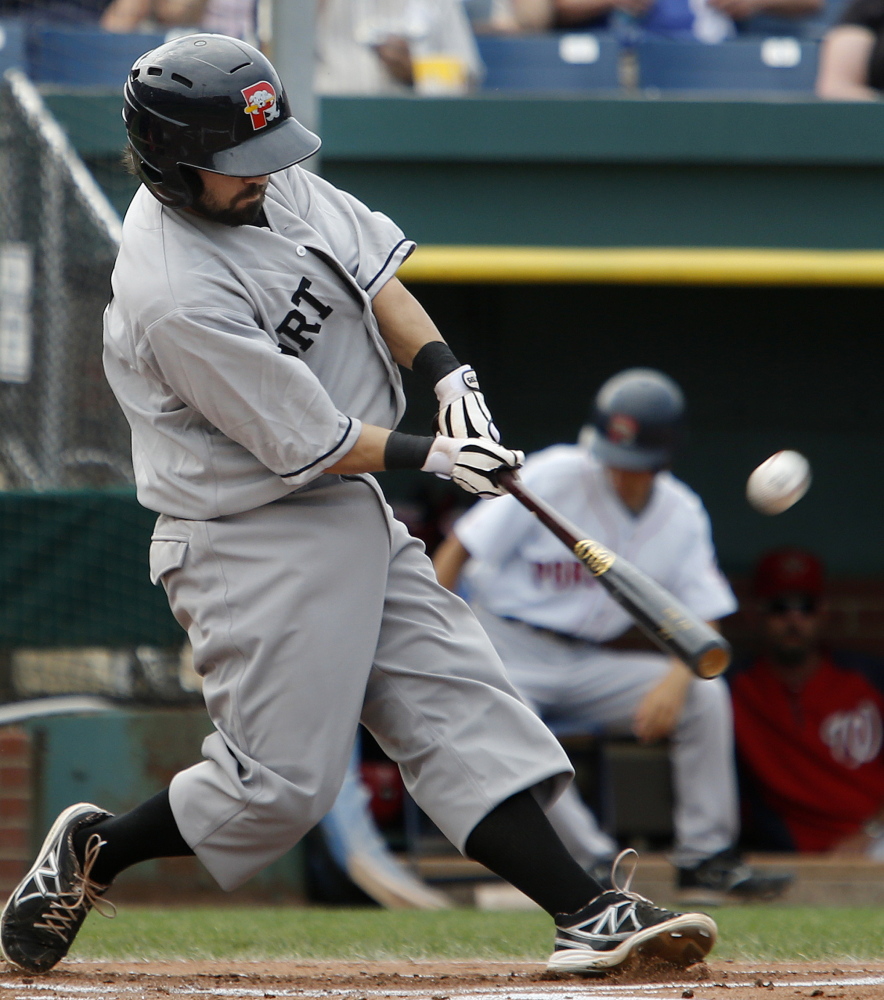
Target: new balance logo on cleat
[[48, 907], [47, 871], [620, 925], [617, 920]]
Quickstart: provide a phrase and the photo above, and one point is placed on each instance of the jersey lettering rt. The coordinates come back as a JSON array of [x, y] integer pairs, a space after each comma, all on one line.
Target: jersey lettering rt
[[247, 358]]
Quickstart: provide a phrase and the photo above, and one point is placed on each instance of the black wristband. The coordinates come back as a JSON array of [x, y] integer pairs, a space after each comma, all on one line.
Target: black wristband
[[406, 451], [434, 361]]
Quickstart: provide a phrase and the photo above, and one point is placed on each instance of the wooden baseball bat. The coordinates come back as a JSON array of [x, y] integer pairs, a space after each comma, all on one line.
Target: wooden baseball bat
[[665, 620]]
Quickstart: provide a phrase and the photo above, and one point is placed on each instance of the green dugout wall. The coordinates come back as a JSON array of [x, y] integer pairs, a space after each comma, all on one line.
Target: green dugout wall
[[615, 173], [575, 172], [738, 245]]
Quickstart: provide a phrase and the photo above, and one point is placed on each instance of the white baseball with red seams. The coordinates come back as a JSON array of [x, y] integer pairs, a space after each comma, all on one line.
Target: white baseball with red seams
[[779, 482]]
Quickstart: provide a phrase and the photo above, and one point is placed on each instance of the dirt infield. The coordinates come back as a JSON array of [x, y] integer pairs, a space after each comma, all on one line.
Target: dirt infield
[[405, 980]]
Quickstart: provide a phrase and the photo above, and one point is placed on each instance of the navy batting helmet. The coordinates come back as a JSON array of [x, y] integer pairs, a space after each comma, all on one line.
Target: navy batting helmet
[[637, 420], [211, 102]]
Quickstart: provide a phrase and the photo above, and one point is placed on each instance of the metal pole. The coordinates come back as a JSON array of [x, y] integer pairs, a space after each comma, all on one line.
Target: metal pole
[[293, 28], [55, 420]]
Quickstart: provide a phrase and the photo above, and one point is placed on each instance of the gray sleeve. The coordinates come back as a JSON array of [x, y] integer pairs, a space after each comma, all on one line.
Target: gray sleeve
[[369, 244], [232, 373]]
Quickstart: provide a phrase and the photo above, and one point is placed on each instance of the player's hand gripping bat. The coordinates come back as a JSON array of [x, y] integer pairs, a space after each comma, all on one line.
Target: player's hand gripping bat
[[664, 619]]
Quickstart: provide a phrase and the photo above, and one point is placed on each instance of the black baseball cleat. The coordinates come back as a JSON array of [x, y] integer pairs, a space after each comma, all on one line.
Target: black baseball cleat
[[726, 878], [620, 925], [44, 913]]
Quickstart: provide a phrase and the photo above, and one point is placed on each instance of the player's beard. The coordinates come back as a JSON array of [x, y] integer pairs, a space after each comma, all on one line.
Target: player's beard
[[243, 210], [792, 647]]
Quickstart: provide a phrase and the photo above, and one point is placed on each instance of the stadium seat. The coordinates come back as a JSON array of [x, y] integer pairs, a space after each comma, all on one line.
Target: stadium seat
[[550, 62], [769, 64], [85, 57], [12, 46]]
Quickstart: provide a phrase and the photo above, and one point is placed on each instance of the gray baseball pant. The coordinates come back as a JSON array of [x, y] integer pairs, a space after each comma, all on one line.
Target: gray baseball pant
[[306, 616]]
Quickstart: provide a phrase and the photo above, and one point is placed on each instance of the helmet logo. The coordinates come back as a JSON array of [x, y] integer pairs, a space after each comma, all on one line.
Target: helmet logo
[[622, 429], [261, 104]]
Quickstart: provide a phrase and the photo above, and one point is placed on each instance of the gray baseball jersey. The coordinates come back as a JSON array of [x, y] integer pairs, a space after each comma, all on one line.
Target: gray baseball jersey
[[265, 335], [246, 360]]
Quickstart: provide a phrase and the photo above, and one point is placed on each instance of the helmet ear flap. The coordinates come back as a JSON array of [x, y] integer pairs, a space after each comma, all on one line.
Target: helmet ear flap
[[150, 174], [183, 188], [192, 181]]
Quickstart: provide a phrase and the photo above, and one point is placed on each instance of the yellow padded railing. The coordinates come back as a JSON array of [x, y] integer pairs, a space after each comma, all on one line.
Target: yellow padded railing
[[644, 265]]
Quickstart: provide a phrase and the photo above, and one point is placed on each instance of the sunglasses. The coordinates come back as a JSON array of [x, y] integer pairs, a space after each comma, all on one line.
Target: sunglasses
[[804, 603]]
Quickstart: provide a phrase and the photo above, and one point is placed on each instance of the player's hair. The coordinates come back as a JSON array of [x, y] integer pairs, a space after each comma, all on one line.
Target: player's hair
[[133, 166]]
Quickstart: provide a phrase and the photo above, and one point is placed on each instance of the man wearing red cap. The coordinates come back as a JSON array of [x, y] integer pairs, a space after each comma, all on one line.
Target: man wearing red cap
[[808, 723]]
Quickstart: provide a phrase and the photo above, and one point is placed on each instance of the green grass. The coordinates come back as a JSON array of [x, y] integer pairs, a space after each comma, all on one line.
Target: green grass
[[253, 933]]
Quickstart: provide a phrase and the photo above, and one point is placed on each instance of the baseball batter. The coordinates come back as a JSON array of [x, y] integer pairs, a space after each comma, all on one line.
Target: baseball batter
[[253, 340], [553, 624]]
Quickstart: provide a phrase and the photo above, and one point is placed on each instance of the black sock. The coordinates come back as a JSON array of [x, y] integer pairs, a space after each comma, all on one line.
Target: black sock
[[147, 831], [516, 841]]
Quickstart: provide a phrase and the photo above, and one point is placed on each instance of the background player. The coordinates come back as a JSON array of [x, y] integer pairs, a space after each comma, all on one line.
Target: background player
[[252, 341], [553, 624], [808, 720]]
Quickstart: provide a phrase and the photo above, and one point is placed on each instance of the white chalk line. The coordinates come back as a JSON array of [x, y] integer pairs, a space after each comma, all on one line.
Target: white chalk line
[[591, 991]]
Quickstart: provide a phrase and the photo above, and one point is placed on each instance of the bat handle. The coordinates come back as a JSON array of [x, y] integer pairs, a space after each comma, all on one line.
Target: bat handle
[[508, 479], [566, 532]]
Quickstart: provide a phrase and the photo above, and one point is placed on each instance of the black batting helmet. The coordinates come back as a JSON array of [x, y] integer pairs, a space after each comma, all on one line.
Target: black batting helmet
[[211, 102], [637, 420]]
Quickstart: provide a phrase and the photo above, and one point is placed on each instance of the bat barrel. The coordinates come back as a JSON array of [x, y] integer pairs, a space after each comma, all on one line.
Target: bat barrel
[[663, 618], [713, 662]]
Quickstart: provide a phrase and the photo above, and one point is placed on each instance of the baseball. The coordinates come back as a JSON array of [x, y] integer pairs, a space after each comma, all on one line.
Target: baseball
[[779, 482]]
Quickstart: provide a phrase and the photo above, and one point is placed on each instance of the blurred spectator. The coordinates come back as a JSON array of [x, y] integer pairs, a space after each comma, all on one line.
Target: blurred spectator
[[808, 723], [508, 16], [852, 54], [237, 18], [229, 17], [394, 46], [706, 20]]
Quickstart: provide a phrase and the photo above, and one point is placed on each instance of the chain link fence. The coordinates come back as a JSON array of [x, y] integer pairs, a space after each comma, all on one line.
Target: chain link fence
[[77, 612], [60, 427]]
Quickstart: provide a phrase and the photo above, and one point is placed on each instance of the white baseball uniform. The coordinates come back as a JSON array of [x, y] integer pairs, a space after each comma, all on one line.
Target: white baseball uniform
[[549, 619], [245, 359]]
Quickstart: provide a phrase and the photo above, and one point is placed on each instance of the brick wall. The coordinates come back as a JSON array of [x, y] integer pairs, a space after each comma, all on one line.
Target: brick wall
[[855, 616], [15, 806]]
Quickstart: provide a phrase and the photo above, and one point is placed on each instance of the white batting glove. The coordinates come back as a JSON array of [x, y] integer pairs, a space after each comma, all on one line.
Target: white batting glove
[[472, 463], [463, 412]]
